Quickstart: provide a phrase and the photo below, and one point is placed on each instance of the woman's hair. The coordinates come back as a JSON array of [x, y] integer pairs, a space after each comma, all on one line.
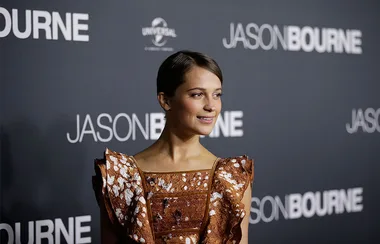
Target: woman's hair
[[172, 71]]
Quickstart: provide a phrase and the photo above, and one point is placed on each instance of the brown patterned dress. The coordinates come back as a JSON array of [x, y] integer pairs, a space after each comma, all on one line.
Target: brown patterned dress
[[197, 206]]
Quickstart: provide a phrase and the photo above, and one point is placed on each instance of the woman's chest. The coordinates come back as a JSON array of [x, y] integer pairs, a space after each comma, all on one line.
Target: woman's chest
[[177, 203]]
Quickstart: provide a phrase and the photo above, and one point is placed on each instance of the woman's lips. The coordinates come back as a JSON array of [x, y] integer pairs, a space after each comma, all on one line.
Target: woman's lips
[[206, 119]]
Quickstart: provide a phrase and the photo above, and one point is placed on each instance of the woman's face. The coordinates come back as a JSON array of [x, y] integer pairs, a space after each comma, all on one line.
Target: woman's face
[[196, 104]]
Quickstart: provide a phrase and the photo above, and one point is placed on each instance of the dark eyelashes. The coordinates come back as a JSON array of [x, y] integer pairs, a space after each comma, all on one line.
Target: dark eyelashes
[[199, 94], [195, 94]]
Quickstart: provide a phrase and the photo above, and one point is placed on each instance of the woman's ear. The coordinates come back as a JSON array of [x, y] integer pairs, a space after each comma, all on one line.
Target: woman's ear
[[164, 101]]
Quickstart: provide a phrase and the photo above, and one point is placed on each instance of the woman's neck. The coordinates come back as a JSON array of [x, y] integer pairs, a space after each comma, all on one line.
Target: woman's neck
[[177, 146]]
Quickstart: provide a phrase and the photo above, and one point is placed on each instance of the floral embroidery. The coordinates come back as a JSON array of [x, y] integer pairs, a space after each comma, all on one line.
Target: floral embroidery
[[151, 205]]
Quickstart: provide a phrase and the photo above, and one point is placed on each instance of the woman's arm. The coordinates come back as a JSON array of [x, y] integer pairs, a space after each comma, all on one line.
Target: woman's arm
[[247, 207]]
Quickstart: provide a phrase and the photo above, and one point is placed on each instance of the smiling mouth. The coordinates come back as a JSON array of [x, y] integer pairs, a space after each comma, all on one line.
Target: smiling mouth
[[205, 118]]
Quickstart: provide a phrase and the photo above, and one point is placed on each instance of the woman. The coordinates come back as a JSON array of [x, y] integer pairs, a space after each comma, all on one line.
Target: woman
[[176, 191]]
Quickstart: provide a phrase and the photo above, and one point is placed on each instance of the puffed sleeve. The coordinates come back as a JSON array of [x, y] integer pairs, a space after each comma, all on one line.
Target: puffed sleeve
[[232, 176], [100, 190], [118, 187]]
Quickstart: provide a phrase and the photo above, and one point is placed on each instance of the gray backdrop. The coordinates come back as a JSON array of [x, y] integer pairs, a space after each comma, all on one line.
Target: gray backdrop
[[309, 117]]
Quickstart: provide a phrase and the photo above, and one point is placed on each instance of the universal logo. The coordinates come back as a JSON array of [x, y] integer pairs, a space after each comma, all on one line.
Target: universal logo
[[159, 34]]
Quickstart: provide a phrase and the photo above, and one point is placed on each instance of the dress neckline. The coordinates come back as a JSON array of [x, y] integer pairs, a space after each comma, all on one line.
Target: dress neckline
[[174, 172]]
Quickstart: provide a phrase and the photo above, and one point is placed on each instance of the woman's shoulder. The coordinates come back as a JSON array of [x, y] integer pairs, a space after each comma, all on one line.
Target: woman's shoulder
[[118, 187], [232, 177], [243, 161], [114, 157], [111, 153], [237, 171], [115, 164]]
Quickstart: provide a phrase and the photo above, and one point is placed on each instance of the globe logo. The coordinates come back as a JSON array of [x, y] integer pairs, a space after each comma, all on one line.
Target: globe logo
[[158, 39], [159, 32]]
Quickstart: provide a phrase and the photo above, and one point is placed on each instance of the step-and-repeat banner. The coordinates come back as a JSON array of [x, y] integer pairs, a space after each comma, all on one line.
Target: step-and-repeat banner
[[301, 97]]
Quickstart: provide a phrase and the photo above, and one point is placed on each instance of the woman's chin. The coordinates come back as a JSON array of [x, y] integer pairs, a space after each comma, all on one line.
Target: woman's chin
[[204, 132]]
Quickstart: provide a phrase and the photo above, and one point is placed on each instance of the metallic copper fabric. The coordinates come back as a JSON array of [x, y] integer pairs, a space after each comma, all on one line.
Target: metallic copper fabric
[[199, 206]]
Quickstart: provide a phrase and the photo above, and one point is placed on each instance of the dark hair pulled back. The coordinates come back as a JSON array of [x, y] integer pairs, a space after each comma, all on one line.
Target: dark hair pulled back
[[172, 71]]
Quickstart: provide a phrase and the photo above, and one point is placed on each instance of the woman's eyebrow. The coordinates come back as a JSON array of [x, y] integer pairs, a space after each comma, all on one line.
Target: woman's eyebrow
[[203, 89]]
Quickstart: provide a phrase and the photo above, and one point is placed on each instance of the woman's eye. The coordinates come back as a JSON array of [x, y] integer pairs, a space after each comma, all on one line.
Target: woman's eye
[[218, 94], [196, 94]]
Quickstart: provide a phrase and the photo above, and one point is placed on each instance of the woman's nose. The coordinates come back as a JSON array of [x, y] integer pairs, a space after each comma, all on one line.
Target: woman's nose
[[209, 107]]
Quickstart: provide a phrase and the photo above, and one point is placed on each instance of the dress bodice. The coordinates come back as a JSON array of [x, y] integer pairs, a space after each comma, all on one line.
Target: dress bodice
[[197, 206]]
